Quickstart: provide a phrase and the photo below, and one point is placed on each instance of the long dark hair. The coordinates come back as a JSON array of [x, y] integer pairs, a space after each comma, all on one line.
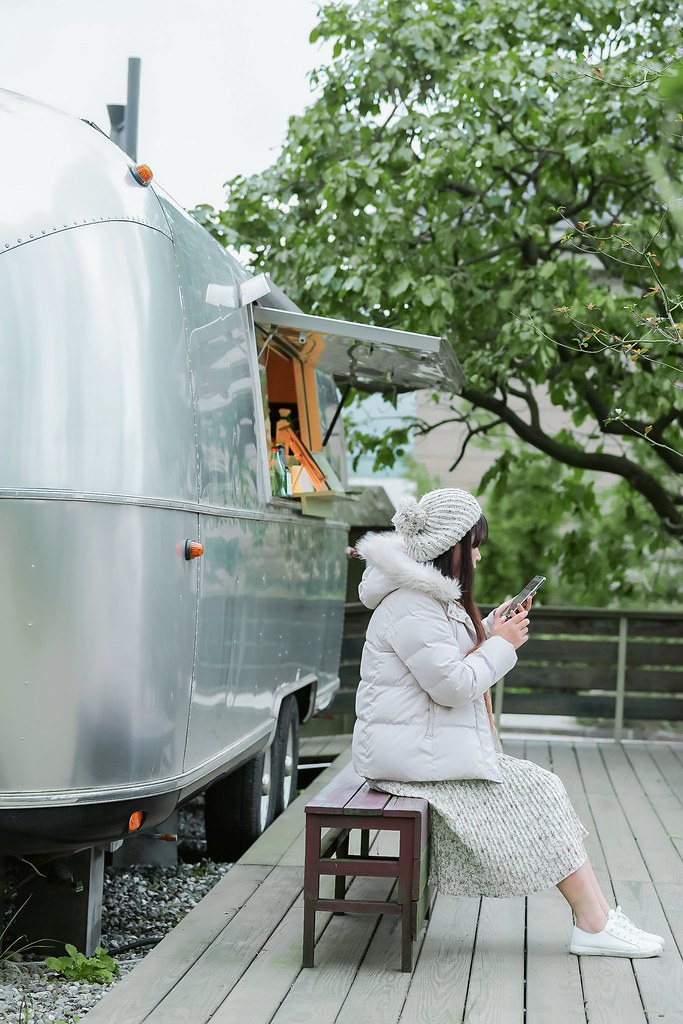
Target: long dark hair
[[456, 563]]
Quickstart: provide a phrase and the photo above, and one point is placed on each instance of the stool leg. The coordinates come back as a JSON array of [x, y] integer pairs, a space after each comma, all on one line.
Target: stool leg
[[405, 891], [309, 934], [340, 880], [365, 842], [407, 938], [311, 887]]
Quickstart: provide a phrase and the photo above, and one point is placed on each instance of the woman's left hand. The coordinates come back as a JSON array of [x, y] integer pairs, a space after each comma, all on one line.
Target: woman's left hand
[[505, 606]]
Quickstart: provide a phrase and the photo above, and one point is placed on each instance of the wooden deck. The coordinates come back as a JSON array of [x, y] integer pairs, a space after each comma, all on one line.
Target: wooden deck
[[236, 959]]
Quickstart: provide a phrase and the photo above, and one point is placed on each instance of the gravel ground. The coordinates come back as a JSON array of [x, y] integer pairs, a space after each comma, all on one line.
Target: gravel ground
[[140, 904]]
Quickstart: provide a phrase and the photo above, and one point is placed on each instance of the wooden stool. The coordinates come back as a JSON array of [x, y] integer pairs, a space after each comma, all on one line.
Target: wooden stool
[[348, 803]]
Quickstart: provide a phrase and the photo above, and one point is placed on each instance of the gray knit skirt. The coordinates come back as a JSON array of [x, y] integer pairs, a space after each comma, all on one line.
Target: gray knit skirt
[[509, 838]]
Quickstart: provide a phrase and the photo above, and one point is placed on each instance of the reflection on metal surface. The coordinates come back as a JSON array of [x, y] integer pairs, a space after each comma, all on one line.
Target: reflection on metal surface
[[223, 364], [71, 176], [371, 358], [132, 420], [94, 691], [93, 365]]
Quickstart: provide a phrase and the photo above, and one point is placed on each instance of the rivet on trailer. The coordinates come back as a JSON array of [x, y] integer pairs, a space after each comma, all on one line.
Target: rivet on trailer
[[172, 492]]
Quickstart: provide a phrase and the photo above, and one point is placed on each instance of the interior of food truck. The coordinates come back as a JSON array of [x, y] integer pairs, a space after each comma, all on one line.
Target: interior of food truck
[[303, 360], [293, 419]]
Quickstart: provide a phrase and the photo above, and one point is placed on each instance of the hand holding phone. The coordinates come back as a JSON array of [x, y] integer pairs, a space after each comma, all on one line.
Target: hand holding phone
[[529, 590]]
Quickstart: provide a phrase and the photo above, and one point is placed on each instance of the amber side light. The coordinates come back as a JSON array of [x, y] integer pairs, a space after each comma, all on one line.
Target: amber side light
[[188, 549], [142, 173], [135, 820]]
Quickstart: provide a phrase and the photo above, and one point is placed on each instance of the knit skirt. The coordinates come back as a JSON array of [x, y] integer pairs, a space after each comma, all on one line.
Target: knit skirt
[[509, 838]]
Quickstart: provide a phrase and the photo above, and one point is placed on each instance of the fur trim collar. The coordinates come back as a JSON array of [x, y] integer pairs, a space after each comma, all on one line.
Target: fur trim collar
[[386, 552]]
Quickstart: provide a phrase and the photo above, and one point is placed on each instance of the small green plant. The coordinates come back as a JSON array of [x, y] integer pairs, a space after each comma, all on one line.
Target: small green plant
[[10, 962], [204, 868], [78, 967]]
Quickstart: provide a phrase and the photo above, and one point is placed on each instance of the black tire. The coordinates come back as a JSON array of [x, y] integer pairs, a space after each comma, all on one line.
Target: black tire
[[286, 754], [237, 809]]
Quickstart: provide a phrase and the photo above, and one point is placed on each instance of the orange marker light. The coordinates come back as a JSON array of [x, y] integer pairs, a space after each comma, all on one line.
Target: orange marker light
[[142, 173], [193, 549], [188, 549], [135, 820]]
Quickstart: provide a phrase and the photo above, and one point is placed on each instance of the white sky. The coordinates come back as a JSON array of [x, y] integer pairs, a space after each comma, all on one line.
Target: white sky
[[219, 78]]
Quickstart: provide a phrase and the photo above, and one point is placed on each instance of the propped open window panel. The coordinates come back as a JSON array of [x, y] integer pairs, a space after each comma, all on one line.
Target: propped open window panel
[[368, 358], [296, 350]]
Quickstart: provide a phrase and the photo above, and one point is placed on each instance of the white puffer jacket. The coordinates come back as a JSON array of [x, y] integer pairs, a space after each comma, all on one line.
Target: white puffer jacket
[[420, 708]]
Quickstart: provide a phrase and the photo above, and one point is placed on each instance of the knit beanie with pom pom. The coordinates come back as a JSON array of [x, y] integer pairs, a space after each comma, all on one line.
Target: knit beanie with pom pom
[[436, 522]]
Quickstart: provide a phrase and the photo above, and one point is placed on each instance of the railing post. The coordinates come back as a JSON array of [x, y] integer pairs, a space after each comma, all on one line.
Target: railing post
[[621, 679], [498, 703]]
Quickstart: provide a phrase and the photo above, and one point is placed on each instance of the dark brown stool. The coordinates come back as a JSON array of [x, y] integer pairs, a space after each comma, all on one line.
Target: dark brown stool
[[345, 804]]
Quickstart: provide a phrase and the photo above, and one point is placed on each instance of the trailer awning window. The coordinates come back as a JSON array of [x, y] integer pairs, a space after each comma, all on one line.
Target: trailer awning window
[[366, 357]]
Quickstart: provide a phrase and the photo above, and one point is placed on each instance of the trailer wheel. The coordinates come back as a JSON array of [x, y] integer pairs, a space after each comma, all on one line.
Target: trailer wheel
[[286, 754], [238, 808]]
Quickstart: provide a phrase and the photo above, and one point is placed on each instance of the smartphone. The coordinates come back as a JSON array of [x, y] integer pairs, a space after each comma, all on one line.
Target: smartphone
[[529, 591]]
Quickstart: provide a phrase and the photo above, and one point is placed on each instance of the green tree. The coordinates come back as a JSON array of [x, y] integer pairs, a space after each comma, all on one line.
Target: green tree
[[584, 544], [483, 171], [419, 475]]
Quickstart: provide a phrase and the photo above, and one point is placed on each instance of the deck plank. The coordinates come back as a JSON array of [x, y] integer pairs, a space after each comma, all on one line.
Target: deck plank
[[671, 899], [663, 861], [439, 981], [610, 991], [621, 851], [311, 746], [538, 751], [553, 975], [199, 993], [336, 745], [566, 767], [664, 800], [513, 746], [660, 978], [499, 955], [319, 992], [379, 989], [137, 995], [264, 985]]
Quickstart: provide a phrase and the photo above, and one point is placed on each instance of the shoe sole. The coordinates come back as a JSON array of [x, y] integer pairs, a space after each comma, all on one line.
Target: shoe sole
[[637, 954]]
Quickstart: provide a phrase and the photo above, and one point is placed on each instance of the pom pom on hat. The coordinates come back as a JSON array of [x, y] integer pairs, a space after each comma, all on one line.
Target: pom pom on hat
[[435, 523], [410, 517]]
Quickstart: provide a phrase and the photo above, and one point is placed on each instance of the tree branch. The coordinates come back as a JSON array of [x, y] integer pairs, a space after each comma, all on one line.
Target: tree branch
[[645, 483], [472, 432]]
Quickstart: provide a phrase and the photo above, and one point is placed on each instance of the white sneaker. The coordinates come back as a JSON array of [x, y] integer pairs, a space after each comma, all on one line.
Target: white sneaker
[[615, 939], [621, 918]]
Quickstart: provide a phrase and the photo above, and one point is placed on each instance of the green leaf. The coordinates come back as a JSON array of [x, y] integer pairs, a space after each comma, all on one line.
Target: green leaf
[[448, 301], [326, 274], [402, 284]]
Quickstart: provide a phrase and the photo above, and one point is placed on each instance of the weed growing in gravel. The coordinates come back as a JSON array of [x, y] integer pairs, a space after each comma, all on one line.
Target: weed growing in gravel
[[10, 963], [205, 868], [78, 967]]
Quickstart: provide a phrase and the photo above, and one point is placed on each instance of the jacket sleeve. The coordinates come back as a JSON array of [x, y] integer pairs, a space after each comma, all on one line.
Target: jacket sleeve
[[424, 642], [487, 623]]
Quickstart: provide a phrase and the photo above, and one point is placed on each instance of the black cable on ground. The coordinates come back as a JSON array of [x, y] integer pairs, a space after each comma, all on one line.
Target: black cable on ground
[[152, 940]]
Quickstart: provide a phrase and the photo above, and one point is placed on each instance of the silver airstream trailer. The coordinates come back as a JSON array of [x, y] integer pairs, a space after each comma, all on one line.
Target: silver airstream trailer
[[144, 377]]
